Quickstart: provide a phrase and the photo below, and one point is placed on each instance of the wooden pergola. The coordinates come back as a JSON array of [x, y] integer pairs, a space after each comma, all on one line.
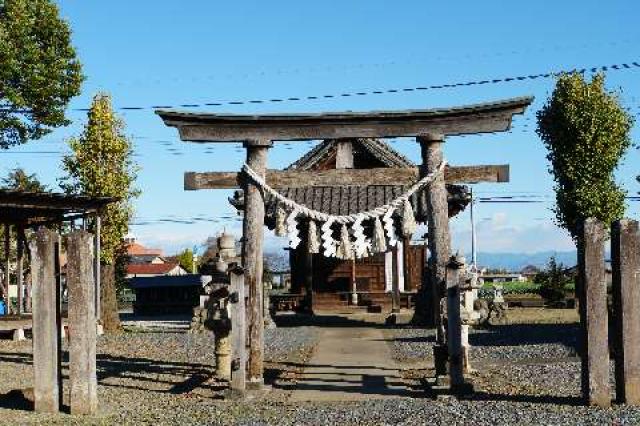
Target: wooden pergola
[[23, 210], [37, 210], [429, 127]]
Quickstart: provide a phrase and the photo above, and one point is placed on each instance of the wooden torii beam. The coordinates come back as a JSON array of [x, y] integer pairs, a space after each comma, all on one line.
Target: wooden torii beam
[[258, 132], [349, 177]]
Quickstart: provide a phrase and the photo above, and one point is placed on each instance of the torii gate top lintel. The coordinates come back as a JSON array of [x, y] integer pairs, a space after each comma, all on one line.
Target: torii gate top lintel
[[487, 117]]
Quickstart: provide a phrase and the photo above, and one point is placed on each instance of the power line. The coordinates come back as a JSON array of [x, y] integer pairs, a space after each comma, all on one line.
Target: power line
[[615, 67]]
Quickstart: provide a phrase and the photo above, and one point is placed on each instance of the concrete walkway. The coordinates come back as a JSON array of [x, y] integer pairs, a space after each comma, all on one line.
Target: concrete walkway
[[351, 364]]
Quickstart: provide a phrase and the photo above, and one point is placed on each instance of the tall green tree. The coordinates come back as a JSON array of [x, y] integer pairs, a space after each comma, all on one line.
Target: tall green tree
[[101, 164], [586, 132], [39, 70], [185, 259], [19, 180]]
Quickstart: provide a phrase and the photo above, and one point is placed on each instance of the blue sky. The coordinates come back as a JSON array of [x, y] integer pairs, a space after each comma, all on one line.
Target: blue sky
[[158, 52]]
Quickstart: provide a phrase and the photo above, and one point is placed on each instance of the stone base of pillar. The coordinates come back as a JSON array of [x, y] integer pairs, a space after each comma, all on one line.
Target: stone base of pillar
[[256, 389], [223, 356], [18, 335], [269, 323], [440, 356]]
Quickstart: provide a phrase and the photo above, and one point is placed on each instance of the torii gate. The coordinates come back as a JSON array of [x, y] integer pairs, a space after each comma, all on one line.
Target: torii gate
[[258, 133]]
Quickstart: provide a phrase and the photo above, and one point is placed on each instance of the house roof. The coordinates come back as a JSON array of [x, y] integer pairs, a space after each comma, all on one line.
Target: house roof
[[343, 200], [380, 150], [191, 280], [150, 268], [144, 258], [135, 249]]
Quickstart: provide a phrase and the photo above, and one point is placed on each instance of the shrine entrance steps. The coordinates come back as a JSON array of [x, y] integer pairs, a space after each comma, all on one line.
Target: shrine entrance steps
[[352, 364]]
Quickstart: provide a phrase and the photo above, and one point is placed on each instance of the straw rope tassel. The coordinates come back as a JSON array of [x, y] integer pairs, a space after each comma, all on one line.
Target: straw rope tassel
[[281, 227], [345, 251], [313, 243], [379, 244], [409, 225]]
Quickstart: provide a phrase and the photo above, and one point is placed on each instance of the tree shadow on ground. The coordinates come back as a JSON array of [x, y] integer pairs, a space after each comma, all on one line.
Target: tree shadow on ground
[[528, 334], [331, 320], [516, 335]]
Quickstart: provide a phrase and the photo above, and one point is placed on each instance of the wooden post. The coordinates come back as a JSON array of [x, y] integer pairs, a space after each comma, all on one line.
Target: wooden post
[[395, 280], [20, 269], [82, 323], [353, 283], [593, 316], [45, 319], [344, 154], [7, 267], [253, 235], [625, 259], [307, 262], [454, 323], [438, 237], [238, 333], [96, 265]]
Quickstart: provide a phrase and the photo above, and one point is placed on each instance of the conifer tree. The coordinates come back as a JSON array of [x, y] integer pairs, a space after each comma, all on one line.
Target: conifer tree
[[101, 165]]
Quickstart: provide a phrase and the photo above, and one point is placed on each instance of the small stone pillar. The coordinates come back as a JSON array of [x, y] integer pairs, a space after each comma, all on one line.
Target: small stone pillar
[[237, 300], [269, 323], [82, 323], [223, 354], [46, 314], [454, 323], [625, 258], [593, 315]]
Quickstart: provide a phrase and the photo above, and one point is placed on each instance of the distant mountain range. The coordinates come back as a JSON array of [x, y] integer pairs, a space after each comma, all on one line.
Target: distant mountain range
[[516, 261]]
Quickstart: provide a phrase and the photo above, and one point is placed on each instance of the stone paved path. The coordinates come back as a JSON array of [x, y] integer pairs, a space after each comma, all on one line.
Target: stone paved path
[[351, 364]]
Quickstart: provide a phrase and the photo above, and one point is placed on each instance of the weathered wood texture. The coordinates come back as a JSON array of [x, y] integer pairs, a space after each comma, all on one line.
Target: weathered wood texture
[[96, 265], [238, 333], [438, 222], [45, 319], [20, 269], [395, 280], [625, 257], [593, 316], [480, 118], [253, 236], [415, 256], [344, 155], [278, 179], [7, 267], [454, 323], [82, 323]]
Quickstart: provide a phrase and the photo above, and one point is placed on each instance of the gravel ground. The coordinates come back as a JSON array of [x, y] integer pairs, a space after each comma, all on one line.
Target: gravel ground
[[506, 342], [163, 378]]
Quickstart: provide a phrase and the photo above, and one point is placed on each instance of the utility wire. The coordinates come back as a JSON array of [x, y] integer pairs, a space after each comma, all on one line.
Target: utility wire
[[615, 67]]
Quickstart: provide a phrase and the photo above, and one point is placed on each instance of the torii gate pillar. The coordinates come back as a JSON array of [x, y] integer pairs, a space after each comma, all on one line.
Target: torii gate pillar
[[439, 240], [252, 259]]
